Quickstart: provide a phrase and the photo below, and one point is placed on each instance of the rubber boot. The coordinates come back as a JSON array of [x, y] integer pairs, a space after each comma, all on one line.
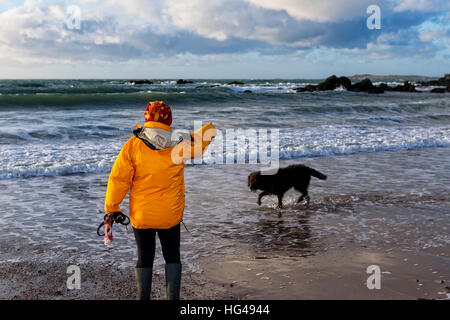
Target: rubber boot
[[144, 282], [173, 281]]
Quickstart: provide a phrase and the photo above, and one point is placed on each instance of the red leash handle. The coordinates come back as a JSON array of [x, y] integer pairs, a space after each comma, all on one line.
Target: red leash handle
[[108, 231]]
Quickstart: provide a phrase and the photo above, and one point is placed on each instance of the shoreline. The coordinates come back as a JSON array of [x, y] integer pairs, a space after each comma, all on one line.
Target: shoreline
[[338, 274], [47, 281], [334, 274]]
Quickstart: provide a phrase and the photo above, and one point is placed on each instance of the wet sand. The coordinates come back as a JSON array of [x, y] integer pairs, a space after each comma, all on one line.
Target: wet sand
[[31, 281], [339, 274]]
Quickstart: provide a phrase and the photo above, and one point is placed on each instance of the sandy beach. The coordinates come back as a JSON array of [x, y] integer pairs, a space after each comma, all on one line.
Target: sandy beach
[[36, 279], [340, 274]]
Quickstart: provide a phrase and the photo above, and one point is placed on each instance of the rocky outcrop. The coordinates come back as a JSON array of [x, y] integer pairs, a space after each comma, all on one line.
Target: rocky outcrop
[[405, 87], [388, 78], [138, 82], [444, 81], [438, 90], [366, 85], [236, 83], [345, 82], [248, 91], [333, 82], [181, 81], [330, 83], [308, 88]]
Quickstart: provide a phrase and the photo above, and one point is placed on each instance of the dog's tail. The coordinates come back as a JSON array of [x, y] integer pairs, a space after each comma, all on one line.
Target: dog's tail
[[317, 174]]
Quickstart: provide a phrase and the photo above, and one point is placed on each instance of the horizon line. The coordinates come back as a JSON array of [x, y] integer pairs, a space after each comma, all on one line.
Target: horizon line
[[234, 78]]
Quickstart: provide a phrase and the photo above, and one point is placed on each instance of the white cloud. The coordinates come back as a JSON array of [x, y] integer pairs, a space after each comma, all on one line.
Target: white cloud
[[401, 43], [422, 5], [432, 35], [211, 19], [243, 19], [318, 10], [122, 30], [34, 31]]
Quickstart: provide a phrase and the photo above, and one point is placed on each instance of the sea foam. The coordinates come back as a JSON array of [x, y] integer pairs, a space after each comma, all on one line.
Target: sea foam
[[24, 161]]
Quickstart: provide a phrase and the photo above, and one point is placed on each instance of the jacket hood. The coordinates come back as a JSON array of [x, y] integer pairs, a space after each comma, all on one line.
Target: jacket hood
[[158, 137]]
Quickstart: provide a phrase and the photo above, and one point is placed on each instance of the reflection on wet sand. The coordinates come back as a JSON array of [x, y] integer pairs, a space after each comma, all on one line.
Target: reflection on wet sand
[[284, 235]]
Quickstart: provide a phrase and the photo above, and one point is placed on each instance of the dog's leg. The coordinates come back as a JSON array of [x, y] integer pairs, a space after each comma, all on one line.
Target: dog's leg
[[300, 199], [262, 194], [307, 199], [280, 201]]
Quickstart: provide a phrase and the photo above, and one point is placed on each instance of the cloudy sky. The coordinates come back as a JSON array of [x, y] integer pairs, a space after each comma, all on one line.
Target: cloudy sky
[[221, 38]]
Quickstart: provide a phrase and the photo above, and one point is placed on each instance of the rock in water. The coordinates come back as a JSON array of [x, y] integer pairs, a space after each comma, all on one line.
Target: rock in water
[[444, 81], [367, 86], [181, 81], [309, 87], [133, 82], [363, 86], [330, 83], [376, 89], [384, 86], [345, 82], [405, 87]]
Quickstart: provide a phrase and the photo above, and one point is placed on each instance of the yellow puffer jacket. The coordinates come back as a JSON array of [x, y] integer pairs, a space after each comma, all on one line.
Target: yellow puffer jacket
[[155, 178]]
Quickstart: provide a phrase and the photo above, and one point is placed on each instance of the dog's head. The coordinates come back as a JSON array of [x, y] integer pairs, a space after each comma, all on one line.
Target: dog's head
[[253, 181]]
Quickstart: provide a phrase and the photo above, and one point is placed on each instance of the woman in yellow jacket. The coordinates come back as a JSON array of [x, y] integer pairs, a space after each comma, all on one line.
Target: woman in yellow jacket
[[151, 167]]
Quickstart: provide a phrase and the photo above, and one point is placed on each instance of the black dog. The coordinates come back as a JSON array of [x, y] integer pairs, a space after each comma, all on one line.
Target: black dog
[[297, 176]]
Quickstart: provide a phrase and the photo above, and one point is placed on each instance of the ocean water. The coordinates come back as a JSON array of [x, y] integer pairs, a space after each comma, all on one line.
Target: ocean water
[[387, 157]]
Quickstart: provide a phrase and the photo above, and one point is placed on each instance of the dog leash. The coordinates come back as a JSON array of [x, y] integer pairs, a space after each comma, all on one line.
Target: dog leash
[[108, 221], [187, 228]]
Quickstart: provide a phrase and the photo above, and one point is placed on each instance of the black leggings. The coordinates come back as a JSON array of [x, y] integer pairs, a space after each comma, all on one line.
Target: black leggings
[[170, 244]]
